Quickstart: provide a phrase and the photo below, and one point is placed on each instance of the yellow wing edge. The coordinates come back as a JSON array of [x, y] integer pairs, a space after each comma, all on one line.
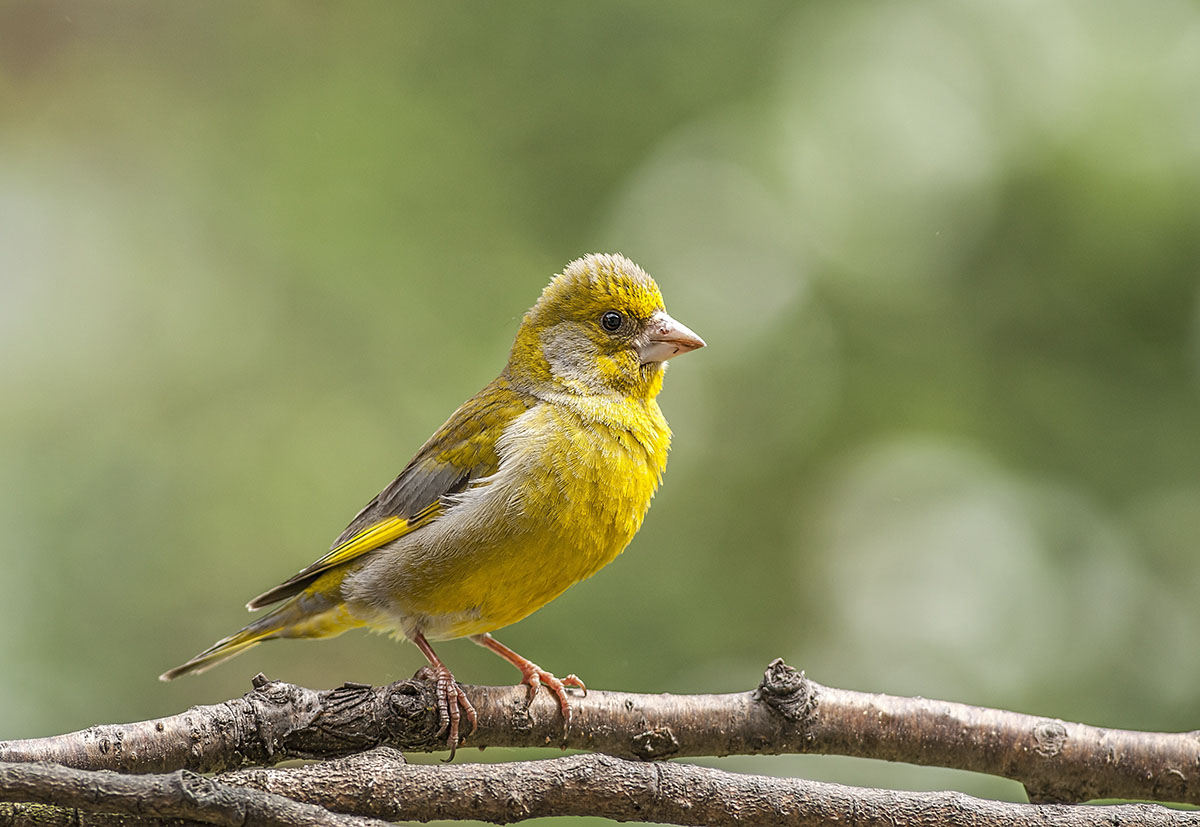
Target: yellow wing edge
[[369, 539]]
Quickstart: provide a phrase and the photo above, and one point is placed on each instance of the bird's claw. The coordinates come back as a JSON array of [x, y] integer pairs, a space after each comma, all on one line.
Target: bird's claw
[[452, 704], [534, 676]]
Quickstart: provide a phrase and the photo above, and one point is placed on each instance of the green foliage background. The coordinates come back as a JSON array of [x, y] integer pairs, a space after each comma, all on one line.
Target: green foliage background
[[944, 440]]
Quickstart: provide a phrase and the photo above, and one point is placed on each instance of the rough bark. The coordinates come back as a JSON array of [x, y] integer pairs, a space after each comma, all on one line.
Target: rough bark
[[180, 795], [380, 785], [1055, 760]]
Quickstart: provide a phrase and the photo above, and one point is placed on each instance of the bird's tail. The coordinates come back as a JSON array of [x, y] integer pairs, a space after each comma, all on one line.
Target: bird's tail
[[307, 615]]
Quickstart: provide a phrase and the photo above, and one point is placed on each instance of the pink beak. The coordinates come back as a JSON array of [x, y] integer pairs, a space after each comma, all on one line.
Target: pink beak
[[664, 338]]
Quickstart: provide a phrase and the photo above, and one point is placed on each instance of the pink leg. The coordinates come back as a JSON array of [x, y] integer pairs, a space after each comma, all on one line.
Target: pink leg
[[449, 696], [534, 676]]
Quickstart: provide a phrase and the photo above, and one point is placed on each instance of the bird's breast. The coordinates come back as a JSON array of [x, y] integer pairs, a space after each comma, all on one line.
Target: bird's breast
[[571, 491]]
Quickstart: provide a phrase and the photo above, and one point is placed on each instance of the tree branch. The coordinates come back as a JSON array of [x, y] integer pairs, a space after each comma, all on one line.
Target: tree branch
[[380, 785], [377, 785], [1055, 760], [180, 795]]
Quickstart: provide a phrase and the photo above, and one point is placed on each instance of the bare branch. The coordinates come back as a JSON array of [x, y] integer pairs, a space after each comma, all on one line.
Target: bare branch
[[179, 795], [378, 785], [1056, 760]]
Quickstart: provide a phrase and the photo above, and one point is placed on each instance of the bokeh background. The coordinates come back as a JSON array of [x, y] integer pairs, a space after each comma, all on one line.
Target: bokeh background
[[944, 440]]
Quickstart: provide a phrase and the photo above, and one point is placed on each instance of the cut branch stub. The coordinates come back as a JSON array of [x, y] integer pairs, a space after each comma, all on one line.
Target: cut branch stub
[[788, 692]]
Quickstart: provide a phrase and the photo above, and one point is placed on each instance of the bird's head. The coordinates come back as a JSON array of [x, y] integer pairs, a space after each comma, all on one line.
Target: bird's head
[[600, 327]]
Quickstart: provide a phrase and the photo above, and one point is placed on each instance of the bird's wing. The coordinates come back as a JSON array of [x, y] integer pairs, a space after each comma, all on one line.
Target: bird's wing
[[460, 452]]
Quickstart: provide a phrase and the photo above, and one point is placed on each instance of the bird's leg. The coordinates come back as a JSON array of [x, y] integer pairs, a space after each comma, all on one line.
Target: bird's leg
[[449, 696], [534, 676]]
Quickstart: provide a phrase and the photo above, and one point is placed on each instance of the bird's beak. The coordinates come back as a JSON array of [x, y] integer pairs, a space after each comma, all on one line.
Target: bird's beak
[[664, 337]]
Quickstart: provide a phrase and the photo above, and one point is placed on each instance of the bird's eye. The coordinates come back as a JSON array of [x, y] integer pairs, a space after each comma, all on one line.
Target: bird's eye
[[611, 320]]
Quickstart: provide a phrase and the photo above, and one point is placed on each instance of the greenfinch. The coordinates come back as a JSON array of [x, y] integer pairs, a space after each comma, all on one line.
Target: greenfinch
[[535, 483]]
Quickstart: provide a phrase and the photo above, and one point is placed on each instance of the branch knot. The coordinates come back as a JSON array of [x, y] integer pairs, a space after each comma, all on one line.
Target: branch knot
[[1049, 738], [787, 691], [413, 715], [655, 744]]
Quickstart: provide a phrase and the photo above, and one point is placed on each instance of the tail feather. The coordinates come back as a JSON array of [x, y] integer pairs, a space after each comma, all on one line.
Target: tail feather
[[220, 651], [307, 615]]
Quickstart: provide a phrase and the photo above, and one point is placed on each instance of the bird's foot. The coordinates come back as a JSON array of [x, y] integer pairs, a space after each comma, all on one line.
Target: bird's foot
[[452, 704], [534, 676]]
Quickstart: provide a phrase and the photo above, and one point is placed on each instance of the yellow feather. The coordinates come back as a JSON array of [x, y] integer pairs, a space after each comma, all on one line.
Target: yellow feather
[[374, 536], [533, 484], [581, 488]]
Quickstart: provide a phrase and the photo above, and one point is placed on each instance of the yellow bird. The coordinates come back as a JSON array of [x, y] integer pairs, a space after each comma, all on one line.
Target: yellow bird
[[536, 482]]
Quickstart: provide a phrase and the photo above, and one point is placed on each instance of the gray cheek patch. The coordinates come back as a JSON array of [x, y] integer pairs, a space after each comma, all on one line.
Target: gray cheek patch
[[572, 356]]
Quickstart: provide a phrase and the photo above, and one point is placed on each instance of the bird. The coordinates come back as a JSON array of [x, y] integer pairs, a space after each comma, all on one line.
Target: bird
[[533, 484]]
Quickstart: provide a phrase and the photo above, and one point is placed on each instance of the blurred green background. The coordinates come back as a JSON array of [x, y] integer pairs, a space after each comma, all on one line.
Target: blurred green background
[[944, 440]]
